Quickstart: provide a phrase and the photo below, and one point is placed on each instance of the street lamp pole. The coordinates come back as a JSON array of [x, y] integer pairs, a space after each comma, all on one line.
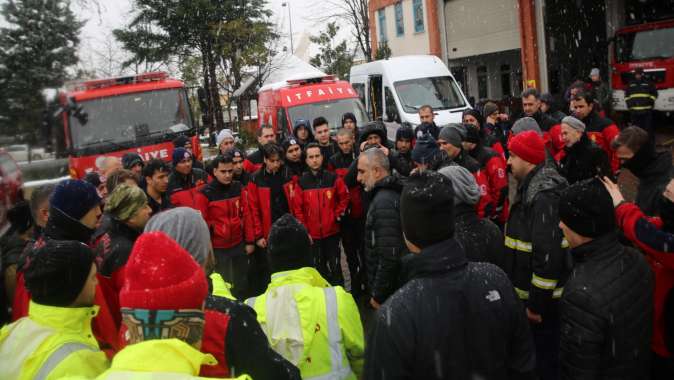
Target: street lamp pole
[[290, 21]]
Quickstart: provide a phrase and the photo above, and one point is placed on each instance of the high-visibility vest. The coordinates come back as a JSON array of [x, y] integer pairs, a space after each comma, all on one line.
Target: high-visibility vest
[[50, 343], [302, 322]]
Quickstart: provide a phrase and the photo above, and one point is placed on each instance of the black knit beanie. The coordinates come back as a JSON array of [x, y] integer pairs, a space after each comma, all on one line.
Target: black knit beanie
[[56, 271], [587, 209], [289, 245], [476, 114], [425, 149], [427, 208]]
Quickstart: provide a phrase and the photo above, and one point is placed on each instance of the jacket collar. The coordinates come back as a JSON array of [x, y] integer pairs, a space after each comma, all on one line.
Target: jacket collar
[[598, 248], [389, 182], [123, 229], [581, 144], [161, 355], [306, 275], [434, 260], [72, 319]]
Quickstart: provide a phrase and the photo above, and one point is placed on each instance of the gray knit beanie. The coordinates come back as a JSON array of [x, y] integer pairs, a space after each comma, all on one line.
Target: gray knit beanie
[[574, 123], [465, 188], [526, 124], [187, 227], [453, 134]]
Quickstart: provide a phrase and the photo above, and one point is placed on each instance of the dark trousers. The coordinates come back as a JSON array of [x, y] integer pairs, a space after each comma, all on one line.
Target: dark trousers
[[232, 265], [353, 240], [546, 341], [258, 272], [644, 120], [327, 256]]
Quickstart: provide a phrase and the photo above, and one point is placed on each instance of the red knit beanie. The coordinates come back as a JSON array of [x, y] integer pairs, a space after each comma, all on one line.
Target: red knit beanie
[[528, 146], [161, 275]]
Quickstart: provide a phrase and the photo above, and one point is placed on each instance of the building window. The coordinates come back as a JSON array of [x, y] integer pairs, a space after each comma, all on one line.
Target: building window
[[381, 14], [506, 87], [418, 14], [482, 82], [400, 27]]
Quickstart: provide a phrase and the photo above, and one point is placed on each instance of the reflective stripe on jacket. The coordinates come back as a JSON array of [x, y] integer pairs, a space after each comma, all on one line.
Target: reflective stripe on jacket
[[50, 343], [314, 326]]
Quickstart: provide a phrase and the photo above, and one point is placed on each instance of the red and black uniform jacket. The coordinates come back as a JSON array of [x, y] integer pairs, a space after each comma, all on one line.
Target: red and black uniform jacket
[[484, 206], [340, 163], [493, 166], [603, 131], [230, 326], [254, 161], [182, 189], [323, 198], [646, 233], [269, 197], [223, 207]]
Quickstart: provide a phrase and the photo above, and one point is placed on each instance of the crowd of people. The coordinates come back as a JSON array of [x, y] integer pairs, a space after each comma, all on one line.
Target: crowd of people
[[233, 268]]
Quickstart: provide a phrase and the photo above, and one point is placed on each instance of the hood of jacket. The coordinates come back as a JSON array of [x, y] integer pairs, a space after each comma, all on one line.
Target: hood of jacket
[[434, 260], [544, 177], [161, 355], [305, 275]]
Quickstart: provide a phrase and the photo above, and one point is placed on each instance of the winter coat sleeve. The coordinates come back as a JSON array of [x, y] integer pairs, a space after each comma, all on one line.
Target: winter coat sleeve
[[201, 205], [247, 217], [255, 216], [582, 338], [352, 330], [498, 182], [386, 245], [248, 349], [547, 252], [610, 133], [342, 197], [390, 353], [642, 230], [351, 177]]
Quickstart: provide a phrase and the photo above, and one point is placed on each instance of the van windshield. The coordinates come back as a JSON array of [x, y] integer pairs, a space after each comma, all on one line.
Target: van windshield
[[441, 93], [332, 110]]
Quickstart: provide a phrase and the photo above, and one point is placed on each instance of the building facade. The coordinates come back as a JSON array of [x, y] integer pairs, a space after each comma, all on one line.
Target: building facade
[[495, 49]]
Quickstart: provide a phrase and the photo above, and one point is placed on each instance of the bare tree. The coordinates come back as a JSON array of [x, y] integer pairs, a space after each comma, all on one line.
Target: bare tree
[[355, 14]]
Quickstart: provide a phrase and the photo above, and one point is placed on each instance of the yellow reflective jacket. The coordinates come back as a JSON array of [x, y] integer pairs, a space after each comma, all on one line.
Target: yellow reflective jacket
[[313, 325], [50, 343], [162, 359]]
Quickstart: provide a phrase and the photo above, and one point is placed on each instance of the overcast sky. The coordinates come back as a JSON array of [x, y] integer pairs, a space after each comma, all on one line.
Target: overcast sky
[[116, 14]]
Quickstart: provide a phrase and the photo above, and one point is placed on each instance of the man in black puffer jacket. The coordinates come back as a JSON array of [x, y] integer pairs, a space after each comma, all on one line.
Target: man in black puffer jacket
[[607, 306], [653, 169], [453, 319], [384, 244]]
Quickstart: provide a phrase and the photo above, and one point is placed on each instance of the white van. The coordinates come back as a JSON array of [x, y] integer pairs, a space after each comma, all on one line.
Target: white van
[[394, 89]]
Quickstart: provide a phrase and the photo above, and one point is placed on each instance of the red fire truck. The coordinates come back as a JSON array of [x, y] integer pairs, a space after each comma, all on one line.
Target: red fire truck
[[110, 117], [651, 47], [281, 104]]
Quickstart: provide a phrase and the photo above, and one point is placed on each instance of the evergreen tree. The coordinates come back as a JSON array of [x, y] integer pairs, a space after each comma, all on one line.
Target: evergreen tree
[[37, 47], [333, 59]]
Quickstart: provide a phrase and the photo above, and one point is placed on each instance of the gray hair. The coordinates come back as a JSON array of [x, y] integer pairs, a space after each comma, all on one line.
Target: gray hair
[[377, 158]]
